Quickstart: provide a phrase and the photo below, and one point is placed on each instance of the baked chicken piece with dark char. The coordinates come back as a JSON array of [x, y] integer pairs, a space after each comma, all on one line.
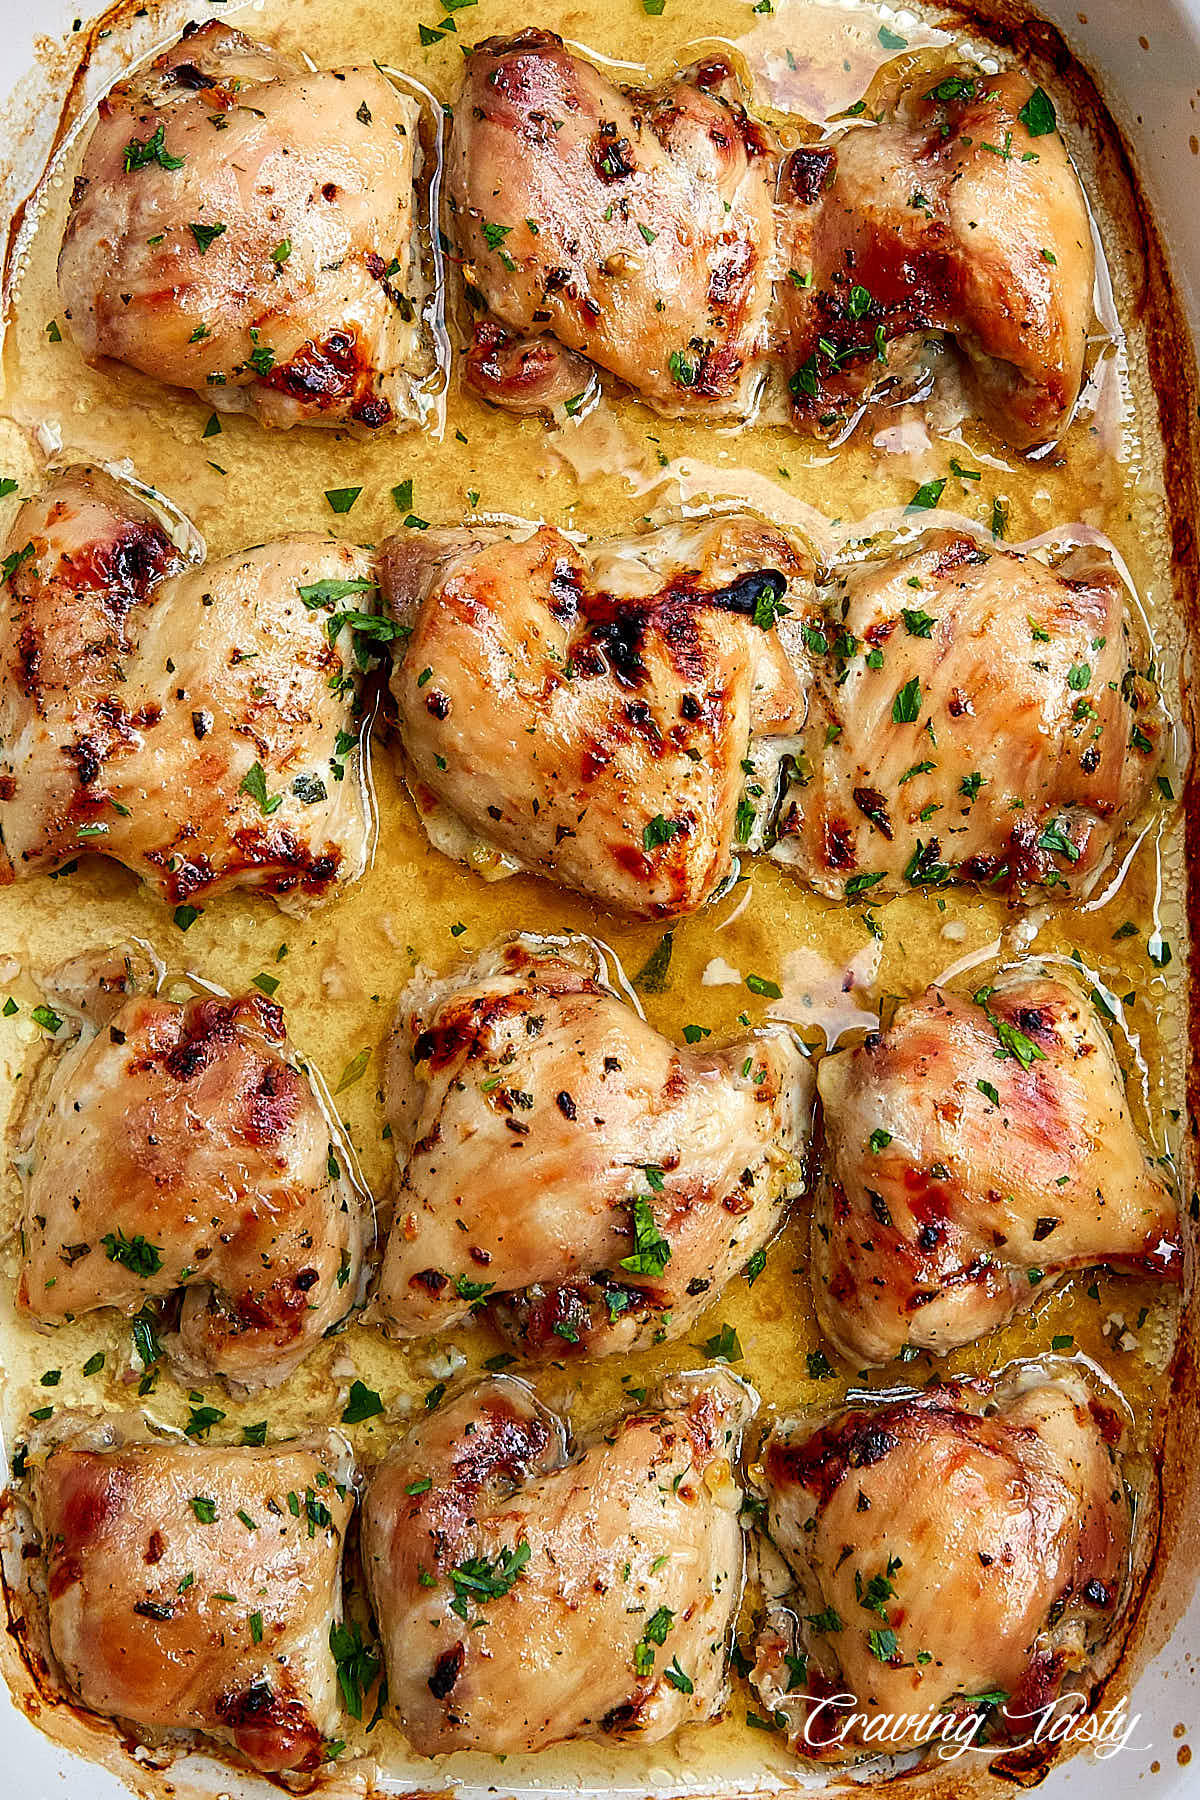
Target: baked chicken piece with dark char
[[566, 1165], [527, 1596], [628, 718], [975, 715], [244, 226], [958, 212], [179, 1152], [192, 1589], [613, 717], [959, 1551], [633, 227], [977, 1150], [199, 723]]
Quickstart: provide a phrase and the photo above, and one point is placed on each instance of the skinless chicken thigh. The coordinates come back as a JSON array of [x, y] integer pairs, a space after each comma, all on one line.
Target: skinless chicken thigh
[[561, 1161], [197, 724], [244, 226], [525, 1598], [170, 1613], [621, 720], [592, 714], [976, 1150], [181, 1150], [975, 716], [635, 225], [957, 212], [963, 1542], [664, 236]]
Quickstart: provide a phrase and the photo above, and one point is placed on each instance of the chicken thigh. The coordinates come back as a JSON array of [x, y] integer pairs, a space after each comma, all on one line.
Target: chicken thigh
[[524, 1597], [957, 212], [956, 1552], [615, 719], [635, 226], [244, 227], [181, 1150], [975, 1151], [200, 724], [562, 1162], [663, 235], [192, 1589], [975, 716]]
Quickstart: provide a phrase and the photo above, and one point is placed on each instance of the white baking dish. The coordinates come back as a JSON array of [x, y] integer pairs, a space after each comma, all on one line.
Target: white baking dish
[[1146, 58]]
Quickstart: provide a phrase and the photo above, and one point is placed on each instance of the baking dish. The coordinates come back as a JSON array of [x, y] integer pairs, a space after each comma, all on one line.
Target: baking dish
[[1151, 95]]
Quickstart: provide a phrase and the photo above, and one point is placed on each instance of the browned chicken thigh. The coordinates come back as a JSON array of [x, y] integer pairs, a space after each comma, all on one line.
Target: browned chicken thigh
[[621, 719], [193, 1589], [244, 226], [614, 718], [961, 1551], [957, 212], [199, 724], [662, 235], [975, 716], [562, 1162], [634, 227], [975, 1151], [179, 1150], [525, 1597]]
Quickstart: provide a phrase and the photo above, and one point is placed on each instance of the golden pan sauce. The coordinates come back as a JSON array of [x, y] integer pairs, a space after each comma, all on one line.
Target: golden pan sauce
[[340, 970]]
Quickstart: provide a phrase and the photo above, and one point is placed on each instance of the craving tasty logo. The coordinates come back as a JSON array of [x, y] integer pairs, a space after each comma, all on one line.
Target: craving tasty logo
[[832, 1719]]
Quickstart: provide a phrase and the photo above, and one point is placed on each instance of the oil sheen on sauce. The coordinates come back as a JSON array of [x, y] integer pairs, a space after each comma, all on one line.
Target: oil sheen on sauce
[[340, 970]]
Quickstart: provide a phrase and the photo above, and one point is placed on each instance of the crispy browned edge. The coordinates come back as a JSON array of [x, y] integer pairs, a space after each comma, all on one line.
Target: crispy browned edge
[[1172, 1555]]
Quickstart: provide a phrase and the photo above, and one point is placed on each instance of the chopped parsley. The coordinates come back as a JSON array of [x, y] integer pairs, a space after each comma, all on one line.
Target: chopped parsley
[[769, 990], [363, 1403], [358, 1665], [651, 1252], [135, 1254], [659, 831], [342, 499], [201, 1420], [354, 1070], [479, 1579], [651, 978], [254, 783], [325, 593], [906, 707], [1013, 1041], [927, 495], [139, 153], [1038, 115], [725, 1346], [205, 235], [683, 369]]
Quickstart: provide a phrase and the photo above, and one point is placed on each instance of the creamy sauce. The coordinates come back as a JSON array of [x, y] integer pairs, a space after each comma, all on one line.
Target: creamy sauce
[[341, 968]]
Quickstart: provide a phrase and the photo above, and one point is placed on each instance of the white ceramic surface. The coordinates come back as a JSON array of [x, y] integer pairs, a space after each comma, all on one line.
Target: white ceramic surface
[[1146, 54]]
